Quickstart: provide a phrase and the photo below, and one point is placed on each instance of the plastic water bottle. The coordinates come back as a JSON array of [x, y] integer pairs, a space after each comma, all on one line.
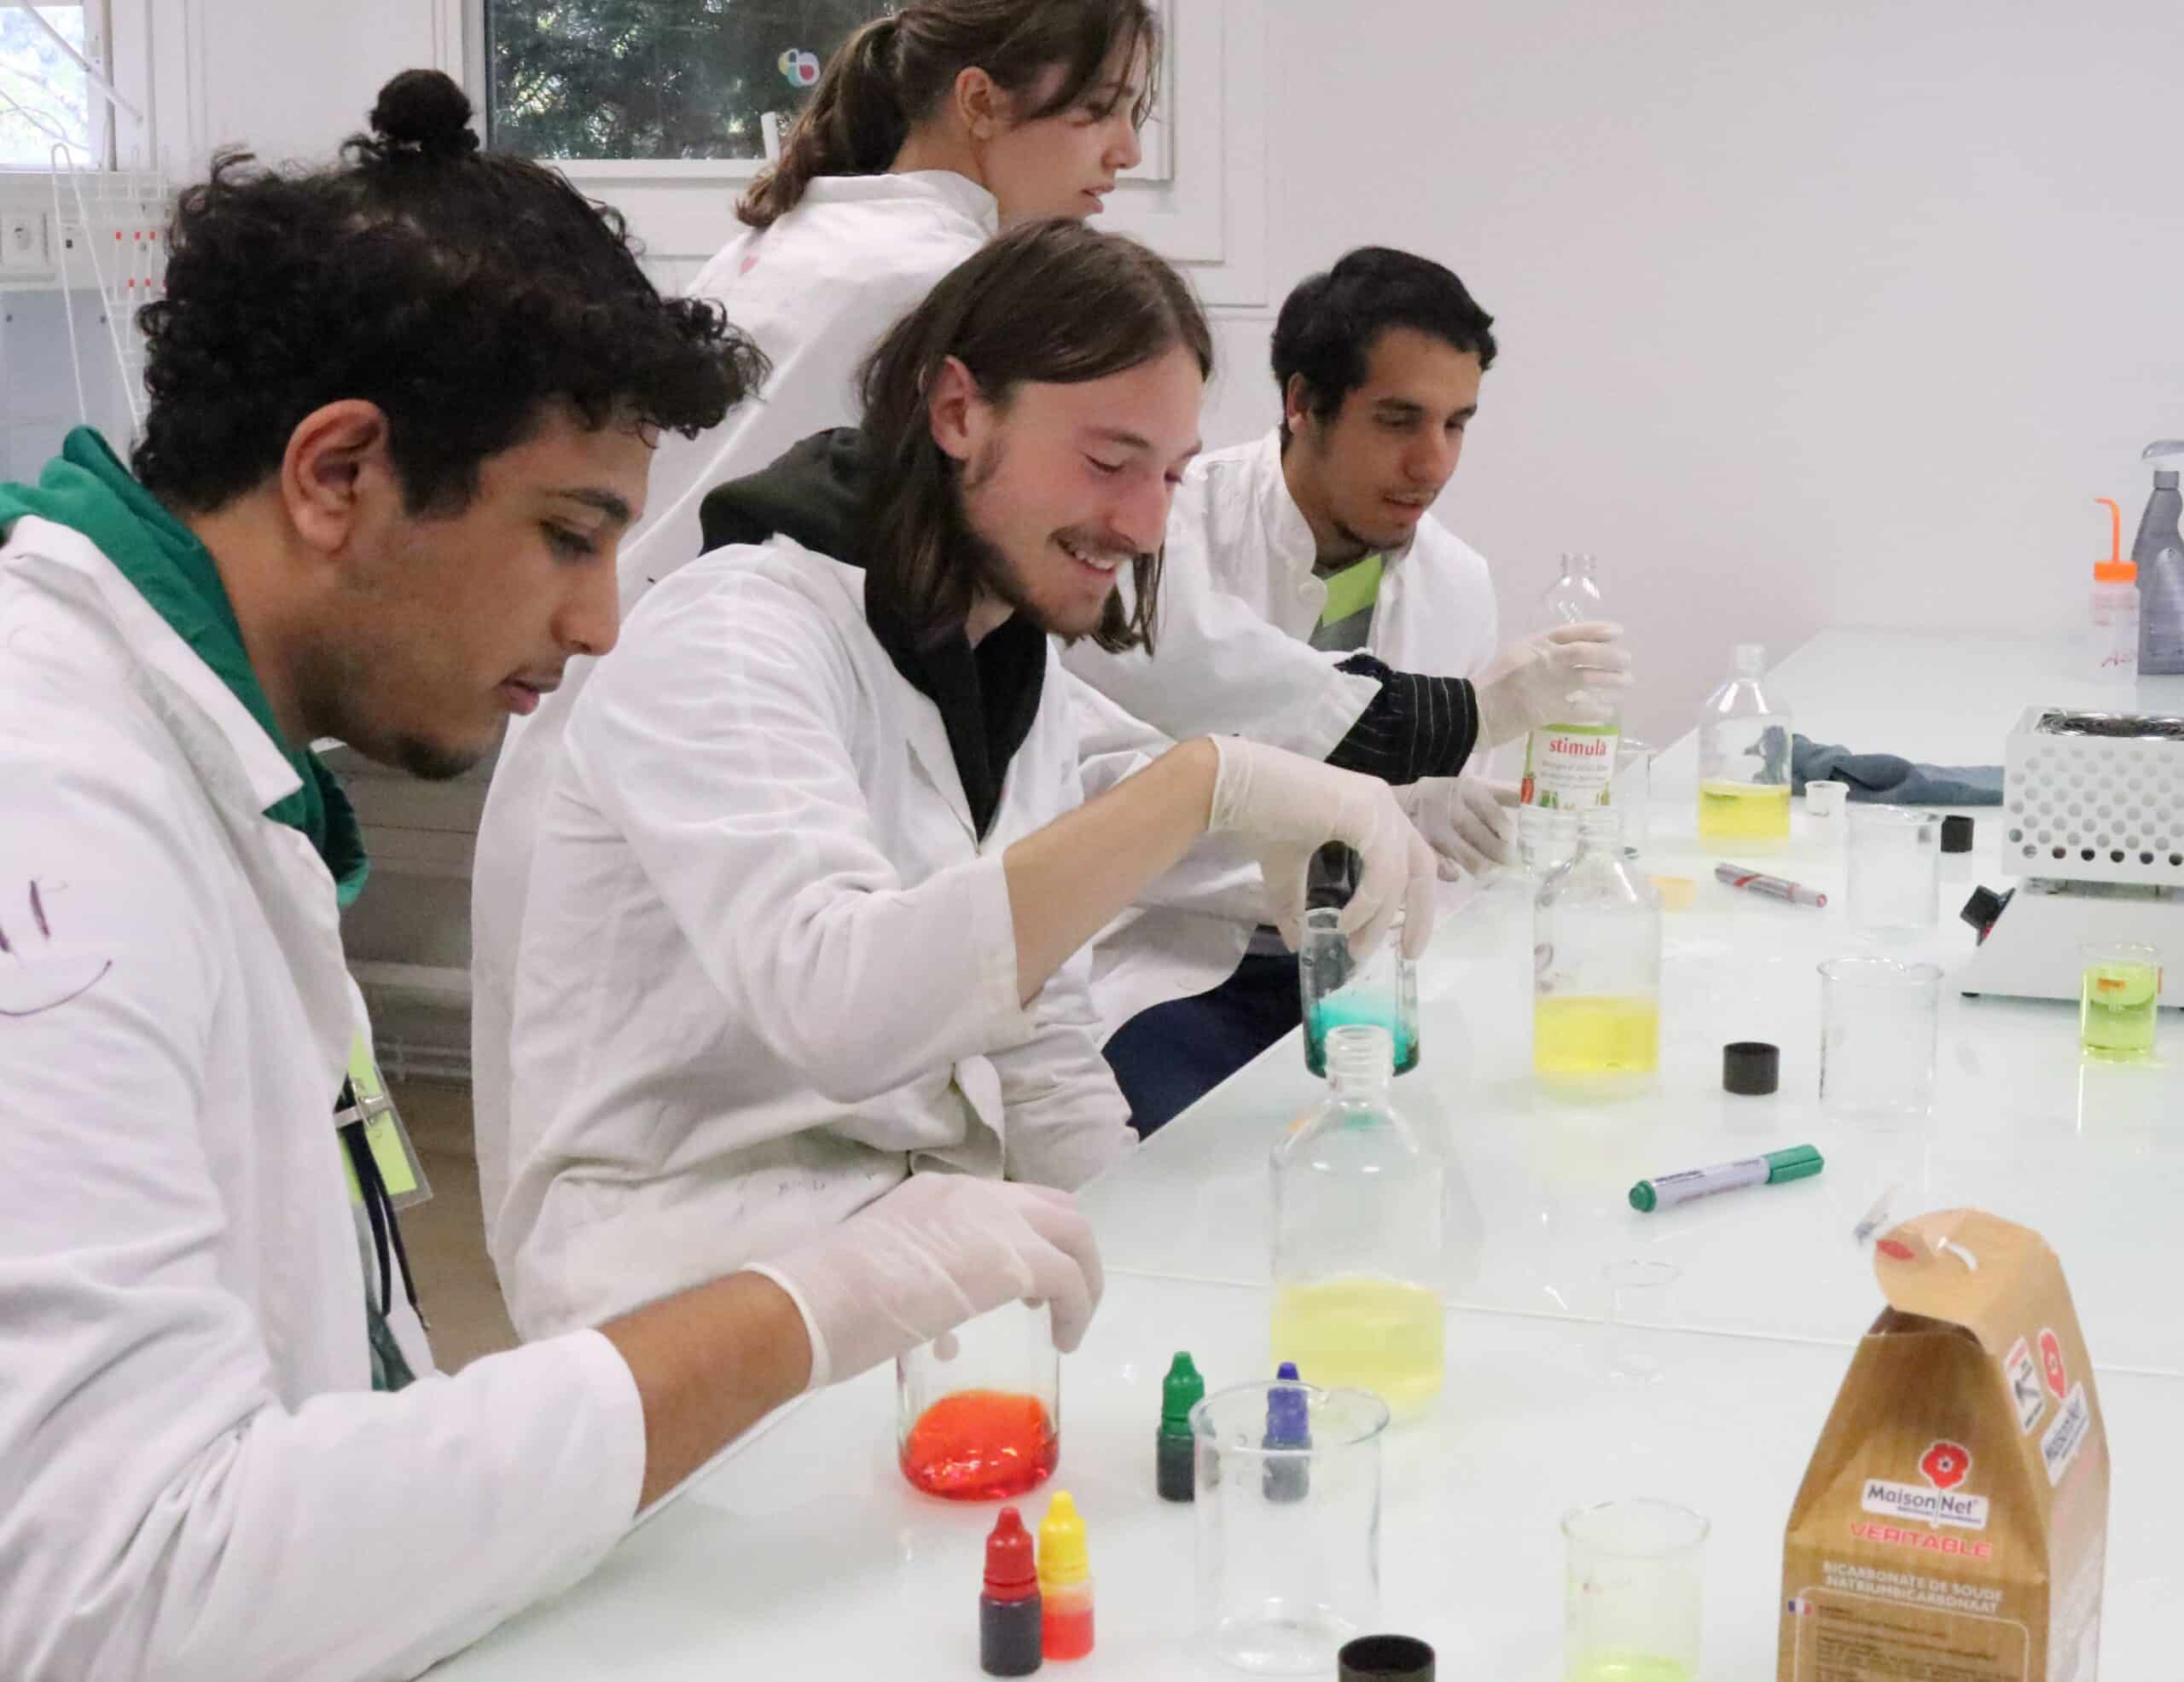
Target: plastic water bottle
[[1569, 766], [1359, 1235], [2158, 554]]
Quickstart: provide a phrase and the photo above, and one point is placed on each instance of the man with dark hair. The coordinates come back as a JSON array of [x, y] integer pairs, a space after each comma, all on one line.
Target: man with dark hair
[[829, 796], [402, 409], [1322, 530]]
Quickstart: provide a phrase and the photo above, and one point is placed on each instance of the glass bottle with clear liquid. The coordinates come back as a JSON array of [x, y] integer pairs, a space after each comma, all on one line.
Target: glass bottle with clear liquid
[[1597, 970], [1568, 765], [1359, 1236], [1744, 762]]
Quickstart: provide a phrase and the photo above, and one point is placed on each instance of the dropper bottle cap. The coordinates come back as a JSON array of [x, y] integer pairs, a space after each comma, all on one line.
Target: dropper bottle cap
[[1288, 1411], [1063, 1559], [1182, 1390], [1010, 1574]]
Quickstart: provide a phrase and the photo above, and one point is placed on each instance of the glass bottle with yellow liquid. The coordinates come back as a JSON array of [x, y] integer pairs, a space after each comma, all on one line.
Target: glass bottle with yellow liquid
[[1597, 970], [1744, 762], [1359, 1234]]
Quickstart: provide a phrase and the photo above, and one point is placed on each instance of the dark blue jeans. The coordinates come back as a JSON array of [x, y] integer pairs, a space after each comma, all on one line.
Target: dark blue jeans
[[1167, 1058]]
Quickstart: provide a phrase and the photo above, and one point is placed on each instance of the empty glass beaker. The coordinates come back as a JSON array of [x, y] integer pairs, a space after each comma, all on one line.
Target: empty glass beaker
[[1878, 1024], [1288, 1500], [1895, 870], [977, 1412]]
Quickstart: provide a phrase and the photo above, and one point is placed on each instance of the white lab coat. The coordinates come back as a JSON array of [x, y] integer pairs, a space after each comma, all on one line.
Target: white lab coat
[[766, 966], [1239, 562], [815, 292], [198, 1482]]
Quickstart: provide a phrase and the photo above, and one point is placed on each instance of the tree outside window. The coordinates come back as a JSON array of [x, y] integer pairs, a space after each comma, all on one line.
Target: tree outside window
[[655, 79]]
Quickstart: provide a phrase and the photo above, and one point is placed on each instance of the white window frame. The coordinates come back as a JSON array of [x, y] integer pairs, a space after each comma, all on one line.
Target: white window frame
[[98, 43], [1198, 199]]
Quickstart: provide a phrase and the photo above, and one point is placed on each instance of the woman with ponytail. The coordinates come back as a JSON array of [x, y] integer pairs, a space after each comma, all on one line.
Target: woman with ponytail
[[929, 129]]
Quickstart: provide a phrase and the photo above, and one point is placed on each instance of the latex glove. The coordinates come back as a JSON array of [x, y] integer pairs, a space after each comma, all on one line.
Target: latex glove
[[1284, 808], [938, 1250], [1470, 823], [1539, 681]]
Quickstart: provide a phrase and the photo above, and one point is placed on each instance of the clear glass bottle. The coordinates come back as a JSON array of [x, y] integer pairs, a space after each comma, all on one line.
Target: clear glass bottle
[[1744, 762], [1597, 970], [1359, 1236], [1568, 765]]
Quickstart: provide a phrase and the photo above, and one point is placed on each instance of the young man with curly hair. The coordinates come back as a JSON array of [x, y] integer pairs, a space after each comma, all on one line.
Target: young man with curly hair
[[402, 410]]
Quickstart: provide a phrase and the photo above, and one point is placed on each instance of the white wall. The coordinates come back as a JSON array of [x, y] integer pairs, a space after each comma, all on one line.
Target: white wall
[[1810, 315]]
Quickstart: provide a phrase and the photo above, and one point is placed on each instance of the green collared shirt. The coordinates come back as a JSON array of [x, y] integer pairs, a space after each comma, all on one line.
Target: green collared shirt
[[86, 489]]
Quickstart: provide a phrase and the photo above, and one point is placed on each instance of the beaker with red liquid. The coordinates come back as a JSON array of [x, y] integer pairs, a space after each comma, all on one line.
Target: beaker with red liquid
[[977, 1412]]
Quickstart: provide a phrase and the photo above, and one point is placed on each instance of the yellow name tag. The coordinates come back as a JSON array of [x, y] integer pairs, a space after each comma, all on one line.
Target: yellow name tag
[[384, 1136]]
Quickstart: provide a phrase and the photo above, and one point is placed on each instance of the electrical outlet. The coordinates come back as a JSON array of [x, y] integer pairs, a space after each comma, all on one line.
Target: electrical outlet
[[22, 243]]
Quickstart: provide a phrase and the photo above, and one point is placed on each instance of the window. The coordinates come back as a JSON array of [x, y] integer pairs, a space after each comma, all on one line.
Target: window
[[649, 80], [48, 96]]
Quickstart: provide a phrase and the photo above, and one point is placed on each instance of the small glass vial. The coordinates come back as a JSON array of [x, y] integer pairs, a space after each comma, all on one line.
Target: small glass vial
[[1338, 990], [1744, 762], [977, 1412], [1359, 1236], [1597, 970]]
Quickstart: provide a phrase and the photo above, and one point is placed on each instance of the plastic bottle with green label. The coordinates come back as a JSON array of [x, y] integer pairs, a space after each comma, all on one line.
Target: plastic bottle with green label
[[1569, 766]]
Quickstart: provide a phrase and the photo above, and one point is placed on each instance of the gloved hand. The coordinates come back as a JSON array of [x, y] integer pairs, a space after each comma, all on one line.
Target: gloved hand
[[1538, 681], [938, 1250], [1470, 823], [1284, 808]]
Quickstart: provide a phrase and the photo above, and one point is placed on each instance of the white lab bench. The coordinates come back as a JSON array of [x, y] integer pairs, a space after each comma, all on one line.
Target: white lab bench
[[802, 1551]]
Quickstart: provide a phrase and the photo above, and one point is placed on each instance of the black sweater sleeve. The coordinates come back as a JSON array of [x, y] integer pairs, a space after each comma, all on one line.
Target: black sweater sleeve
[[1417, 727]]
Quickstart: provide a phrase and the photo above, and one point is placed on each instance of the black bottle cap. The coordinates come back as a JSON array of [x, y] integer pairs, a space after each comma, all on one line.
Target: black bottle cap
[[1385, 1658], [1982, 909], [1956, 833], [1751, 1068]]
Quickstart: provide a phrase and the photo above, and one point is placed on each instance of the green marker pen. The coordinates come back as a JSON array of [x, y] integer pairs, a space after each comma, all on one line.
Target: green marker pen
[[1663, 1191]]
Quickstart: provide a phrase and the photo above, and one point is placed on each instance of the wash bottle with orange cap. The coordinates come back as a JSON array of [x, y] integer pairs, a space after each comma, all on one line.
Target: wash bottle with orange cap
[[1065, 1582], [2112, 655]]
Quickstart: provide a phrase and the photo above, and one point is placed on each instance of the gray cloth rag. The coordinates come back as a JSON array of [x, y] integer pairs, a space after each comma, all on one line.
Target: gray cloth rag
[[1886, 778]]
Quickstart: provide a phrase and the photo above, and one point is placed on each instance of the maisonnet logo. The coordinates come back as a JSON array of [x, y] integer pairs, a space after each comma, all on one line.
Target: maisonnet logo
[[1944, 1466]]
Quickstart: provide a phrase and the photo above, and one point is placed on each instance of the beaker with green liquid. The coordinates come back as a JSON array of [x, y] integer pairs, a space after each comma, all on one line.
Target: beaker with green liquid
[[1342, 990], [2118, 999]]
